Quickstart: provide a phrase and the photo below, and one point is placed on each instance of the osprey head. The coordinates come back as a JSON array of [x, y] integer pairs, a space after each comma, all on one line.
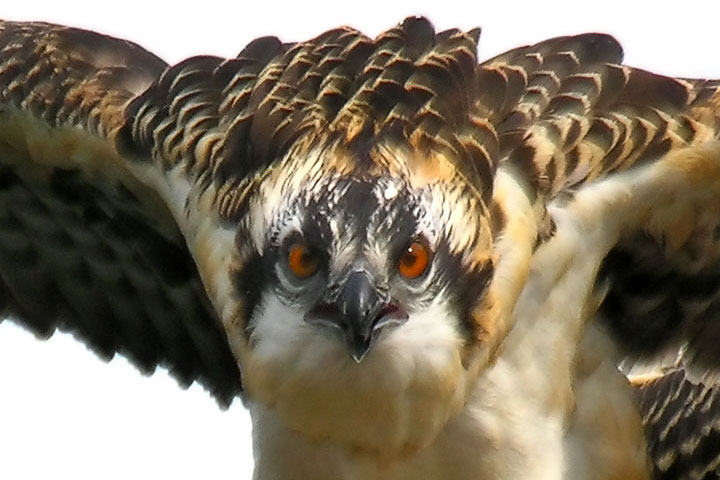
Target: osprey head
[[364, 234], [361, 276]]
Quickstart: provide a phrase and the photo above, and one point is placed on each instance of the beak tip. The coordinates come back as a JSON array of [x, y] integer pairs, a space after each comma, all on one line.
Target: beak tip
[[358, 348], [358, 357]]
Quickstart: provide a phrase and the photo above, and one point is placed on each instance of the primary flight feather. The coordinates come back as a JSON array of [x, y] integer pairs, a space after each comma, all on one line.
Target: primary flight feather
[[408, 263]]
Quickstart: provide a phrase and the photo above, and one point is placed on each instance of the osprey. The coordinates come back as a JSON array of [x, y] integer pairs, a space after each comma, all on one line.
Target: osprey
[[408, 263]]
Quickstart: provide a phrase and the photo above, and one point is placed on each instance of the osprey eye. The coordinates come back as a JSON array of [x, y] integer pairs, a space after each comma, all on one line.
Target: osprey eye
[[302, 260], [414, 261]]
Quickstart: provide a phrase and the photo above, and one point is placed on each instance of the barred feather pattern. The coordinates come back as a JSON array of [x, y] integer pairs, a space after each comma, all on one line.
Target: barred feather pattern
[[558, 115], [581, 115], [70, 77], [85, 246], [227, 120], [681, 424]]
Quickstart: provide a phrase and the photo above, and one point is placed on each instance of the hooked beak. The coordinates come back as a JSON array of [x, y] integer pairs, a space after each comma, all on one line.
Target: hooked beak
[[358, 315]]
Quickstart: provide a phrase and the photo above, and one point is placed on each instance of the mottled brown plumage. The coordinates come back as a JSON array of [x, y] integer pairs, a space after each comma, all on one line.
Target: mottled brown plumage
[[133, 195], [680, 418], [82, 239]]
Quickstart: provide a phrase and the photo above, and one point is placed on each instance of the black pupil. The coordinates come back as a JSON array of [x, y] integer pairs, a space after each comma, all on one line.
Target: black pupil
[[306, 258], [410, 258]]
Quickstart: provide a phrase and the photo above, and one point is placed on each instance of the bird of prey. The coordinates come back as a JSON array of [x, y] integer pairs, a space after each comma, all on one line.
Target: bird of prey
[[408, 263]]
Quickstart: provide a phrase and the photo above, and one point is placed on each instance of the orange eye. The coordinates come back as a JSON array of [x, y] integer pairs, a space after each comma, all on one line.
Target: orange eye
[[414, 261], [302, 261]]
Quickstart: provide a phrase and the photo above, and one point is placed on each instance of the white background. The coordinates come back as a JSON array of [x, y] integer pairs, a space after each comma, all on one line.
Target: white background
[[66, 414]]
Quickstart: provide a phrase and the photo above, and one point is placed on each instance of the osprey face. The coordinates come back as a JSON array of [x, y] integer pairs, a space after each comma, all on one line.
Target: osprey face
[[359, 309], [354, 261]]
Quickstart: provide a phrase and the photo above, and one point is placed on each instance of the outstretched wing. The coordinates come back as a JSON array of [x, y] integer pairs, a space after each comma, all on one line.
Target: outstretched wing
[[103, 149], [86, 243], [577, 117], [583, 132]]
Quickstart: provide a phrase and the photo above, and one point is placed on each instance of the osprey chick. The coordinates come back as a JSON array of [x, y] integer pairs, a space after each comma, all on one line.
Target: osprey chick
[[421, 266]]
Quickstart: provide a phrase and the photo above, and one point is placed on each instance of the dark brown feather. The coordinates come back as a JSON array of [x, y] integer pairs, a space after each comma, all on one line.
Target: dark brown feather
[[83, 246], [680, 418]]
